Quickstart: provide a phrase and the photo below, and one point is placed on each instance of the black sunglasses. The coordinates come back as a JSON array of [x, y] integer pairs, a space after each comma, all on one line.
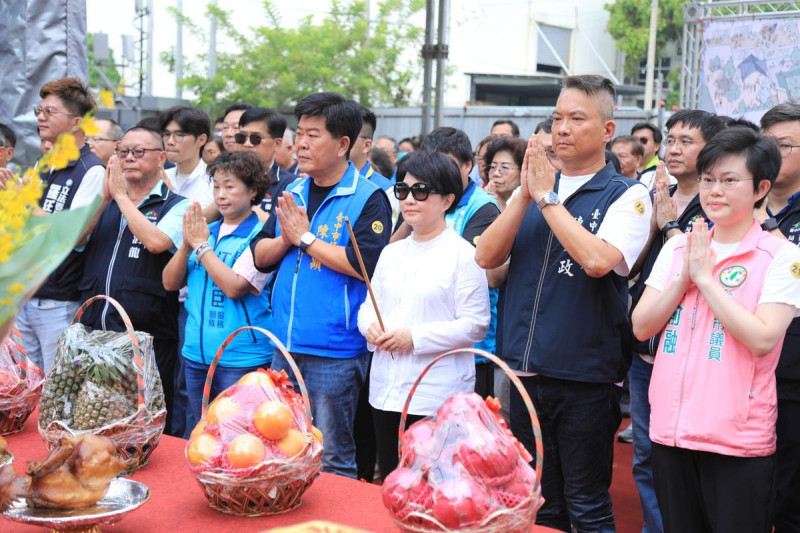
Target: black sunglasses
[[255, 138], [420, 191]]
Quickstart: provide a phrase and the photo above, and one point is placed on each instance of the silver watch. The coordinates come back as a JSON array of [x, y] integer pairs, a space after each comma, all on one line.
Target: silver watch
[[306, 240], [550, 198]]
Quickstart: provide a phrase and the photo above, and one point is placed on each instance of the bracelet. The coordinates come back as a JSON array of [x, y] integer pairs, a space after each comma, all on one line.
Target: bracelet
[[202, 250], [673, 224]]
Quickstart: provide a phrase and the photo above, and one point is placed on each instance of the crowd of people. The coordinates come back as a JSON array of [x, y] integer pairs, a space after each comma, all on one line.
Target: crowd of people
[[580, 257]]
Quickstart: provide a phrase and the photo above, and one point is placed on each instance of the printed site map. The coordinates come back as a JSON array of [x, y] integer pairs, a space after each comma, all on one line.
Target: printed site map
[[750, 66]]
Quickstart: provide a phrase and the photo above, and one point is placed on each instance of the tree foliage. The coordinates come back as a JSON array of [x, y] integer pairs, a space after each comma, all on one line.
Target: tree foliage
[[629, 25], [111, 72], [275, 66]]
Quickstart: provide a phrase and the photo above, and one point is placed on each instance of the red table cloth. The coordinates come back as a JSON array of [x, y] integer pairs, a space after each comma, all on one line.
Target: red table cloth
[[177, 503]]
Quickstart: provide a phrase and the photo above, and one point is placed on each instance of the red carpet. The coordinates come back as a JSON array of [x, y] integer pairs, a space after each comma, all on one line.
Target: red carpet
[[624, 496]]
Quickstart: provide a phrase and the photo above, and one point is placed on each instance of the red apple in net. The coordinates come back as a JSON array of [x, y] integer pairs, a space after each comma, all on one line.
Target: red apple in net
[[460, 502]]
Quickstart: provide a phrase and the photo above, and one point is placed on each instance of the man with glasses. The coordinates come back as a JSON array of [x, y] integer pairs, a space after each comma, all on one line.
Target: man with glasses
[[319, 287], [650, 137], [134, 235], [782, 123], [261, 133], [42, 319], [8, 140], [230, 126], [675, 209], [105, 142], [185, 131]]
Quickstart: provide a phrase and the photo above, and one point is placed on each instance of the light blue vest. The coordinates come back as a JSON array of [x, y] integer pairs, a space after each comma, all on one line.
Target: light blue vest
[[315, 307], [212, 316], [475, 198]]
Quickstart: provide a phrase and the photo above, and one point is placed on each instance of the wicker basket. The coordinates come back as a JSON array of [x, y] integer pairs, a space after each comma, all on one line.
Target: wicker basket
[[276, 485], [17, 404], [135, 436], [516, 518]]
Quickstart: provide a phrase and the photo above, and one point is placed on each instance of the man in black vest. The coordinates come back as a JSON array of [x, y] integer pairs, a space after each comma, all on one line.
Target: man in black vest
[[42, 319], [782, 123], [572, 238], [139, 228]]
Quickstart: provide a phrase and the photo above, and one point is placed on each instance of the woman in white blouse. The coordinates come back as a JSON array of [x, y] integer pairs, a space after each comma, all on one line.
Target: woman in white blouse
[[432, 297]]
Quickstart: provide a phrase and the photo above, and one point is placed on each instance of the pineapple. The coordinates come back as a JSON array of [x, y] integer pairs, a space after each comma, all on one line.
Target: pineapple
[[108, 392], [62, 387]]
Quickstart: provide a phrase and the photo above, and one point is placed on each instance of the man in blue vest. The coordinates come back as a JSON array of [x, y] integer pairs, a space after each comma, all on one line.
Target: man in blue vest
[[572, 238], [42, 319], [318, 286], [138, 228]]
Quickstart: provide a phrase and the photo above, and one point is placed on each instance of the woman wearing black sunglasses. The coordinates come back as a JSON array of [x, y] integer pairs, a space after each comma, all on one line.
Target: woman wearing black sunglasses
[[432, 297]]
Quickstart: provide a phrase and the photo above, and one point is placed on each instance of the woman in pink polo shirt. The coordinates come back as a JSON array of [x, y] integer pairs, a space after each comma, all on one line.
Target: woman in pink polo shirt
[[722, 300]]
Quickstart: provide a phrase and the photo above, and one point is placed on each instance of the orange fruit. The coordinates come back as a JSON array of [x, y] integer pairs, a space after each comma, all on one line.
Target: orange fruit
[[256, 378], [316, 433], [202, 449], [292, 443], [221, 409], [273, 420], [246, 450], [198, 429]]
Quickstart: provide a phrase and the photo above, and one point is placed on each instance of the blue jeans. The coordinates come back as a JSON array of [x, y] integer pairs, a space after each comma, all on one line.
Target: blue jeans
[[639, 378], [578, 424], [40, 322], [180, 400], [333, 388], [224, 377]]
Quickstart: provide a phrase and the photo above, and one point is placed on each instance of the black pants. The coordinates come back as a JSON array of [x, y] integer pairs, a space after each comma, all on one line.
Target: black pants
[[484, 379], [709, 492], [787, 478], [364, 434], [578, 424], [387, 424], [166, 360]]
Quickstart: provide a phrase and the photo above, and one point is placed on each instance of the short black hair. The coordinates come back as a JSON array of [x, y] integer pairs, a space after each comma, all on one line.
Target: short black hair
[[599, 88], [438, 171], [740, 122], [709, 124], [7, 136], [657, 135], [149, 123], [275, 122], [762, 155], [614, 160], [451, 141], [380, 160], [245, 166], [638, 148], [368, 118], [413, 140], [514, 127], [515, 145], [342, 116], [785, 112], [235, 107], [192, 120], [154, 134], [546, 125]]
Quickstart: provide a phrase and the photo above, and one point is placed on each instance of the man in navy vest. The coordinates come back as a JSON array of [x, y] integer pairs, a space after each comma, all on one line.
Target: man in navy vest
[[139, 227], [42, 319], [572, 238], [318, 287], [782, 123]]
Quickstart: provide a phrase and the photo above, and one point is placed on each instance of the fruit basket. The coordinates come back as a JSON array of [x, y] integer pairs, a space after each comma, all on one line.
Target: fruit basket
[[105, 383], [21, 383], [254, 451], [462, 469]]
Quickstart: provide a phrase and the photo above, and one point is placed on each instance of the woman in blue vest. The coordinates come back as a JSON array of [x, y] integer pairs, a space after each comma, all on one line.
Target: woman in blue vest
[[216, 263]]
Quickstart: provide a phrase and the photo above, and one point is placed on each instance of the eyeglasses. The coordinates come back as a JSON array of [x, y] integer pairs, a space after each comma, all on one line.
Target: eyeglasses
[[420, 191], [49, 111], [683, 143], [643, 140], [255, 138], [502, 169], [138, 153], [177, 135], [786, 149], [94, 140], [725, 183]]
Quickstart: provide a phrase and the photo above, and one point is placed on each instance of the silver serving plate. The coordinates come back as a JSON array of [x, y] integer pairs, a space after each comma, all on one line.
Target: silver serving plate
[[123, 496]]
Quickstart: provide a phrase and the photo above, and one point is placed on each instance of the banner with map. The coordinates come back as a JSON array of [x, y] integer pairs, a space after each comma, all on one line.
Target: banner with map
[[750, 66]]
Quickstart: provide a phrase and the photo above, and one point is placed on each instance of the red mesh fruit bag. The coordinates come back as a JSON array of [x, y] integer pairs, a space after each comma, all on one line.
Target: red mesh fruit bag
[[21, 383]]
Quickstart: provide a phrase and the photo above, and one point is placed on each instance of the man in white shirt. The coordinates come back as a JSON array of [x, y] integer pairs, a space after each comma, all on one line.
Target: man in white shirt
[[105, 142], [572, 238]]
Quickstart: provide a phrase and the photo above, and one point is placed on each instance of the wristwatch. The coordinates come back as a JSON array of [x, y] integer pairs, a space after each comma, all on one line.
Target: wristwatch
[[672, 224], [550, 198], [769, 224], [306, 240]]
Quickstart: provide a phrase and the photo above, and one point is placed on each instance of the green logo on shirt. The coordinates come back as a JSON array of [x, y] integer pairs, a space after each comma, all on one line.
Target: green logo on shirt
[[733, 276]]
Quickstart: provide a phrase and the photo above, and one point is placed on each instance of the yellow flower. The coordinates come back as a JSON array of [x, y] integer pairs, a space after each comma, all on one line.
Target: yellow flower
[[107, 99], [64, 151], [16, 287], [87, 123]]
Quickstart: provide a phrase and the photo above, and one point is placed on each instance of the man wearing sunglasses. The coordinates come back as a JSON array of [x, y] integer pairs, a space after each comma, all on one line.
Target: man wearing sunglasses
[[42, 319], [134, 235], [261, 133], [318, 286]]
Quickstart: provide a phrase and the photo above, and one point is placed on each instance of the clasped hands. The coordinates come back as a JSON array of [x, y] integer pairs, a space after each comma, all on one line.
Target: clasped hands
[[537, 177], [699, 257], [396, 340], [195, 227], [115, 187], [292, 218]]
